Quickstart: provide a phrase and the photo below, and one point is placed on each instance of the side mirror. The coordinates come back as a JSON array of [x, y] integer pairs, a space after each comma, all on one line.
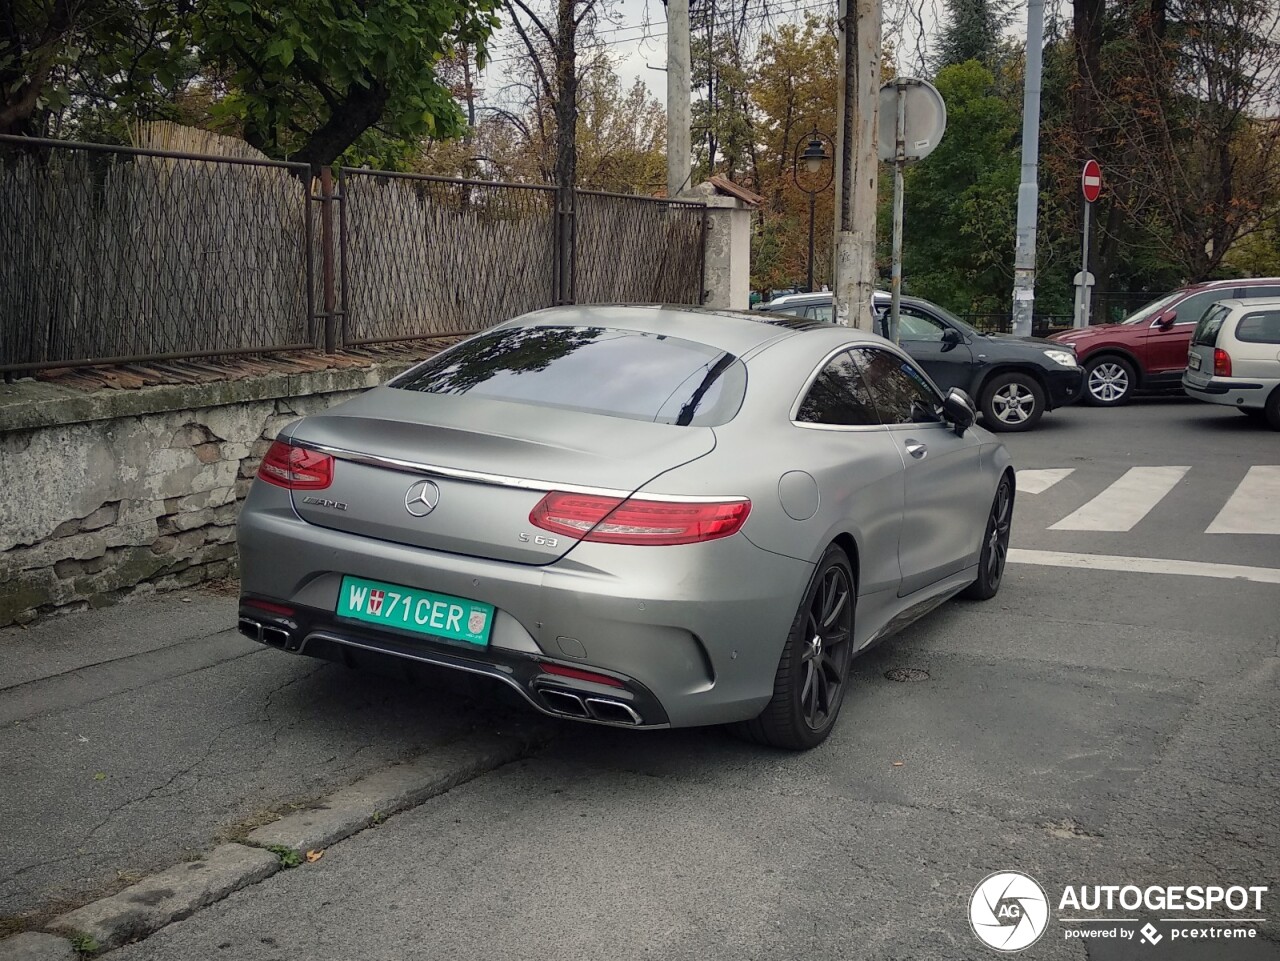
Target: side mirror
[[1166, 319], [958, 408], [950, 337]]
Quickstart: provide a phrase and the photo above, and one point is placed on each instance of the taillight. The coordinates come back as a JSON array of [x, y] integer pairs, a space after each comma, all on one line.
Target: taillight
[[613, 520], [296, 468], [1221, 363]]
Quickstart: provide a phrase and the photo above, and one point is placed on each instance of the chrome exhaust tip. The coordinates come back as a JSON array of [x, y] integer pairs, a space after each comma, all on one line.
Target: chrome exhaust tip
[[563, 702], [276, 637], [615, 712], [251, 629]]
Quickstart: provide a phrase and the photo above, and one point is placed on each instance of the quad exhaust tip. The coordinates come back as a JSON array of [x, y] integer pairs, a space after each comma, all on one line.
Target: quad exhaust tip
[[570, 704], [268, 634]]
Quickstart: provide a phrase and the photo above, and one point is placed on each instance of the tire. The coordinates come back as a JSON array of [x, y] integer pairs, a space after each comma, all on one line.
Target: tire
[[1012, 402], [995, 545], [1109, 381], [811, 679], [1272, 409]]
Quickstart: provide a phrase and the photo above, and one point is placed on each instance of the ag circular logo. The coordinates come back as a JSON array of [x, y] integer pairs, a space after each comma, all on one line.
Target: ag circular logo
[[1008, 911]]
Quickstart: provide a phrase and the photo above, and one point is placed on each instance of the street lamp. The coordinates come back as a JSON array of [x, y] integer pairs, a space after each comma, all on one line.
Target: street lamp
[[816, 159]]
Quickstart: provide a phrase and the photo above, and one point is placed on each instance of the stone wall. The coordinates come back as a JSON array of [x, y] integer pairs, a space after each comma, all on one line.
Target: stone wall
[[111, 493]]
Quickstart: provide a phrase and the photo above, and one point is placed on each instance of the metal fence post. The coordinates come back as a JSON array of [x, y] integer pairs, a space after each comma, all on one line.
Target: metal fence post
[[326, 261]]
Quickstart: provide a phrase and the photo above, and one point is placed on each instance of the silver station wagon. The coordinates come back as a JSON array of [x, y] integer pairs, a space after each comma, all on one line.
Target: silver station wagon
[[638, 516], [1234, 358]]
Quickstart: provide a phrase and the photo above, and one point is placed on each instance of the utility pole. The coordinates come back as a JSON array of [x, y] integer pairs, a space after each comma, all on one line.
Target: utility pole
[[678, 82], [1024, 264], [857, 162]]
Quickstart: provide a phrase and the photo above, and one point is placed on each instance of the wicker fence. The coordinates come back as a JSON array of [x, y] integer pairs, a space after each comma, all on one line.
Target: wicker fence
[[115, 253], [112, 254]]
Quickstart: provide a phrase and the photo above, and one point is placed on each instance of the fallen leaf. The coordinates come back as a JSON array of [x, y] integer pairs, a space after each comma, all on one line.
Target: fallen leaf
[[897, 763], [99, 776], [314, 856]]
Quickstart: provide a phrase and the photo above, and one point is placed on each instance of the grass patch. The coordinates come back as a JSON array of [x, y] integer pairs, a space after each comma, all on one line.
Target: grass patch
[[289, 858]]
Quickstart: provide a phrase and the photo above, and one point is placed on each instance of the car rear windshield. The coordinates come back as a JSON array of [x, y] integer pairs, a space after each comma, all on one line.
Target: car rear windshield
[[1207, 330], [600, 370]]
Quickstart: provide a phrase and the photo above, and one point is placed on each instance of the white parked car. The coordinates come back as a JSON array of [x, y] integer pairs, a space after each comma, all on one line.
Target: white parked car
[[1234, 358]]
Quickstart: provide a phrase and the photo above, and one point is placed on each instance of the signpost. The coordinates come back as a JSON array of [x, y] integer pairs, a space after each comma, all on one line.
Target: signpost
[[1091, 187], [913, 118]]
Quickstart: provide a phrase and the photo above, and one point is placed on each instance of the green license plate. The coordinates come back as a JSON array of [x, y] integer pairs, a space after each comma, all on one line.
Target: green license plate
[[411, 609]]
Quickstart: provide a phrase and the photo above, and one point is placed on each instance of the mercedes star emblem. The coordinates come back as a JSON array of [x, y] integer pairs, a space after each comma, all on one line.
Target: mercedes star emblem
[[421, 499]]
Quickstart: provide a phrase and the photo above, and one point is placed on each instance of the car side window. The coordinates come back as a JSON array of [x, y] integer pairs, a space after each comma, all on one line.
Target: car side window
[[819, 312], [1271, 291], [902, 394], [1260, 328], [839, 397], [913, 325], [1192, 309]]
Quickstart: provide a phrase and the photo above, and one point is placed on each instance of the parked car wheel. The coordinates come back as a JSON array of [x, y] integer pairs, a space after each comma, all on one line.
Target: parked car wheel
[[1108, 381], [1273, 409], [995, 546], [1012, 402], [813, 673]]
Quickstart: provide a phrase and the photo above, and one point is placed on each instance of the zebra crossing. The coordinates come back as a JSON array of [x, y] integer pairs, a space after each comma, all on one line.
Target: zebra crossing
[[1253, 507]]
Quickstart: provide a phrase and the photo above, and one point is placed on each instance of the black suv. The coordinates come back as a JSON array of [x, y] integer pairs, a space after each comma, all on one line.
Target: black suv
[[1014, 379]]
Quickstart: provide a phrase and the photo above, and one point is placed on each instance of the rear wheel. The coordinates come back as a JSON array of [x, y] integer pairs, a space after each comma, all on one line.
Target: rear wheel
[[1108, 381], [812, 675], [1012, 402], [995, 545], [1273, 409]]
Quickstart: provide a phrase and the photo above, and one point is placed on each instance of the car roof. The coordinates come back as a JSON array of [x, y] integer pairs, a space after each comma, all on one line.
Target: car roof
[[1251, 303], [1237, 282], [734, 331]]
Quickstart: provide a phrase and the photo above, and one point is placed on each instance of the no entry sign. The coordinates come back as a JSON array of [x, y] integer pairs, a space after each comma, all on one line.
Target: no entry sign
[[1091, 181]]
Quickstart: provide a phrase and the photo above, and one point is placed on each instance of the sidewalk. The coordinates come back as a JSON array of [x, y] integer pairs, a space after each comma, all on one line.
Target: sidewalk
[[136, 736]]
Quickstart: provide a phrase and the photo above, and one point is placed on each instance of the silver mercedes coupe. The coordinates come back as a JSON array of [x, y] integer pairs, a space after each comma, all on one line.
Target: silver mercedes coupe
[[636, 516]]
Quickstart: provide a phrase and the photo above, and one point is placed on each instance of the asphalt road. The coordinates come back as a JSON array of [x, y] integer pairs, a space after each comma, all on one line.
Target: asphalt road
[[1085, 727]]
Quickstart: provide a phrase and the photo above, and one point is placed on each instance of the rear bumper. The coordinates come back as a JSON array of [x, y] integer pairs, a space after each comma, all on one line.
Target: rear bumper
[[1065, 386], [1228, 391], [693, 633]]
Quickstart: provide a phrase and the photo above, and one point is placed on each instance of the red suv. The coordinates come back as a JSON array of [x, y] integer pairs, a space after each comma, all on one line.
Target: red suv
[[1148, 349]]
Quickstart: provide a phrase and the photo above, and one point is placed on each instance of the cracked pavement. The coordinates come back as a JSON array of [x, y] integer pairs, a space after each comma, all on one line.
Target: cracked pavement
[[135, 736]]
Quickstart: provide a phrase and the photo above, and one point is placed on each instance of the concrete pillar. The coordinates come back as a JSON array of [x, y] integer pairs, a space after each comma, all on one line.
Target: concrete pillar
[[728, 250]]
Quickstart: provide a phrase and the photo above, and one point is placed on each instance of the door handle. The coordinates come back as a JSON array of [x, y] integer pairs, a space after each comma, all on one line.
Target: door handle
[[916, 449]]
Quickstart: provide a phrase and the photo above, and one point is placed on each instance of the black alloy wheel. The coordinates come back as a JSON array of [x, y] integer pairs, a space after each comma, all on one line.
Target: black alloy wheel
[[813, 674], [995, 545]]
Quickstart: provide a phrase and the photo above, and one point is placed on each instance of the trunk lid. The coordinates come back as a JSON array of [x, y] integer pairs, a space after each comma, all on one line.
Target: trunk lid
[[495, 460]]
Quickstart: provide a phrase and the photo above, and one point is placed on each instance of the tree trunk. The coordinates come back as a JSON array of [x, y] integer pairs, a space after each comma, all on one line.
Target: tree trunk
[[356, 113]]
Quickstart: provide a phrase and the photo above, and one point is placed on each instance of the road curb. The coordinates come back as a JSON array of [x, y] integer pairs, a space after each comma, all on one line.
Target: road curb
[[178, 892], [34, 946], [169, 896], [387, 792]]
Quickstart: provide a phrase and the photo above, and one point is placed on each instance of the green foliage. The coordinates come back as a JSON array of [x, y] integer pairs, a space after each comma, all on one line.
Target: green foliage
[[289, 858], [961, 202], [311, 77], [85, 945], [309, 80], [972, 31]]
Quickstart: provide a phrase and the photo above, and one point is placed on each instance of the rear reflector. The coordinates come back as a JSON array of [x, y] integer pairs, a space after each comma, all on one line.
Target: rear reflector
[[271, 606], [580, 675], [1221, 363], [296, 468], [613, 520]]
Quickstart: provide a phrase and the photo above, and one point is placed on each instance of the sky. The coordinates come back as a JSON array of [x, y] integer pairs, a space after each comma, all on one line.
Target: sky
[[635, 31]]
